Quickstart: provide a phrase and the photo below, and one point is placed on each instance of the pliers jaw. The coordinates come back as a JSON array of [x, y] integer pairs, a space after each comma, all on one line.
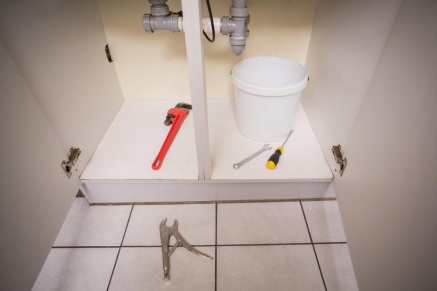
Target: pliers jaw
[[165, 233]]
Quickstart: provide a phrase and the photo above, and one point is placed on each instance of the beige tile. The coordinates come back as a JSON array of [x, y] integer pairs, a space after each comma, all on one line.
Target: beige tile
[[141, 269], [261, 223], [324, 221], [290, 267], [93, 225], [196, 223], [77, 269], [336, 266]]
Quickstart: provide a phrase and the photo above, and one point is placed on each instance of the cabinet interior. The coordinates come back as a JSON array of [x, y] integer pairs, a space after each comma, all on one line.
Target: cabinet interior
[[134, 138]]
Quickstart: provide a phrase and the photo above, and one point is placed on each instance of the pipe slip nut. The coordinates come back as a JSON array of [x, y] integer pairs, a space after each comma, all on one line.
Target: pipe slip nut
[[146, 23], [239, 12], [159, 10]]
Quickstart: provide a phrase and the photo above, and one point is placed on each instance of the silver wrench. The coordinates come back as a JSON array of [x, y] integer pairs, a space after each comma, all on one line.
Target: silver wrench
[[266, 147]]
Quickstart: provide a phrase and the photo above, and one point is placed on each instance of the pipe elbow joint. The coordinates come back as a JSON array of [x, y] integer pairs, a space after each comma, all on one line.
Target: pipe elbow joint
[[236, 28], [238, 44], [169, 22], [160, 18]]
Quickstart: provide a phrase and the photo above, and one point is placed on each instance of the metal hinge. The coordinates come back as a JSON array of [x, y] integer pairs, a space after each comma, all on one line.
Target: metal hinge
[[338, 156], [72, 159]]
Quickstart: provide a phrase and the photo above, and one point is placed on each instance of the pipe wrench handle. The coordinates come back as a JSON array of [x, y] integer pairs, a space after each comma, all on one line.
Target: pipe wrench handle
[[178, 116]]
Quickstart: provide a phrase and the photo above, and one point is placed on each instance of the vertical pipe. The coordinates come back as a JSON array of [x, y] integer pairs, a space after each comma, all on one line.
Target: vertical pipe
[[239, 3], [237, 26], [193, 42]]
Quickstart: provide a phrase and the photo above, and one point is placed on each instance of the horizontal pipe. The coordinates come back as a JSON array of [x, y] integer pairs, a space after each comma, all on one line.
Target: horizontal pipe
[[236, 25], [206, 24], [153, 23]]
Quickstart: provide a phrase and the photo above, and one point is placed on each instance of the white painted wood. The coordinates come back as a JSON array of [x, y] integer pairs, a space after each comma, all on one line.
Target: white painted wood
[[59, 48], [302, 159], [141, 191], [120, 169], [347, 41], [134, 139], [132, 142], [35, 193], [195, 57], [387, 195]]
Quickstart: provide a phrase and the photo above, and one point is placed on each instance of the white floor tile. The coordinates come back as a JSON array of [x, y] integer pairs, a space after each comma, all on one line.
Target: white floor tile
[[259, 223], [336, 266], [290, 267], [141, 269], [93, 225], [324, 221], [77, 269], [196, 223]]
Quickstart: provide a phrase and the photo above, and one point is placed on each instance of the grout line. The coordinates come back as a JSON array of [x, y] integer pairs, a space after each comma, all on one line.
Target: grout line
[[214, 245], [215, 279], [217, 202], [312, 243], [156, 246], [196, 246], [85, 247], [119, 249], [80, 194], [331, 243], [263, 245]]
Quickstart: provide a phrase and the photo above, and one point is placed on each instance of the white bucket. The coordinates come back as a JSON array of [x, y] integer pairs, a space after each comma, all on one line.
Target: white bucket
[[267, 94]]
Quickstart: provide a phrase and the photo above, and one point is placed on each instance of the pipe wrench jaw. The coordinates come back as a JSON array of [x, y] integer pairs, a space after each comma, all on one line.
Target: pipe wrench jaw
[[168, 120], [171, 114], [184, 105]]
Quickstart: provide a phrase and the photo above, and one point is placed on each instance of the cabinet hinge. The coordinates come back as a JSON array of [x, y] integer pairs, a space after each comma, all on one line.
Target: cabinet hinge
[[338, 156], [72, 160]]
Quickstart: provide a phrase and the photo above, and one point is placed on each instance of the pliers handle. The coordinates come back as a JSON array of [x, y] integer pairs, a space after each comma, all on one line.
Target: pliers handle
[[165, 233]]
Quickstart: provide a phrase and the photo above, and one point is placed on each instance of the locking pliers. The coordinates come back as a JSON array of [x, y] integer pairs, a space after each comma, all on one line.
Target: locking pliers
[[165, 233]]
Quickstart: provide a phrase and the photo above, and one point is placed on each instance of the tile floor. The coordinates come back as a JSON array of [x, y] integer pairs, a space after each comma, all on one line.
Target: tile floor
[[256, 246]]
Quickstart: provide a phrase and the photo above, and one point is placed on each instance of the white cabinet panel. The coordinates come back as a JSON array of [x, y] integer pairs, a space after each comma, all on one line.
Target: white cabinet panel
[[347, 41], [59, 48], [387, 195], [35, 194], [302, 161], [120, 169], [133, 141]]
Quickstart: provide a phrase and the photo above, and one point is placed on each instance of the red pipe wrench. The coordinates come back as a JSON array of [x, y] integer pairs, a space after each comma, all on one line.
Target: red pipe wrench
[[175, 118]]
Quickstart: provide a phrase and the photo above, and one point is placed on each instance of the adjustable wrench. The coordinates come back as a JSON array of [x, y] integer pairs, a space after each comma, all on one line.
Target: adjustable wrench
[[266, 147]]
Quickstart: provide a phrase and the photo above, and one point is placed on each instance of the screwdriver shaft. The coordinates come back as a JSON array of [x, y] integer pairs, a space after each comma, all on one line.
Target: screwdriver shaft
[[288, 136]]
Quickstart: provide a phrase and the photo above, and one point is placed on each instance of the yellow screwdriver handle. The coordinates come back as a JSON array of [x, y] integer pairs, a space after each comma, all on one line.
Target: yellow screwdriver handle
[[274, 159]]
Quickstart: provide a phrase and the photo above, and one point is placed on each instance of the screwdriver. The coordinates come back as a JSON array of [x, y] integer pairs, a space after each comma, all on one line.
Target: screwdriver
[[274, 159]]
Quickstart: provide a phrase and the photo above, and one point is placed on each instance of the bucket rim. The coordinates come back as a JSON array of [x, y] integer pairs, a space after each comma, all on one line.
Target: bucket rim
[[255, 83], [270, 90]]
